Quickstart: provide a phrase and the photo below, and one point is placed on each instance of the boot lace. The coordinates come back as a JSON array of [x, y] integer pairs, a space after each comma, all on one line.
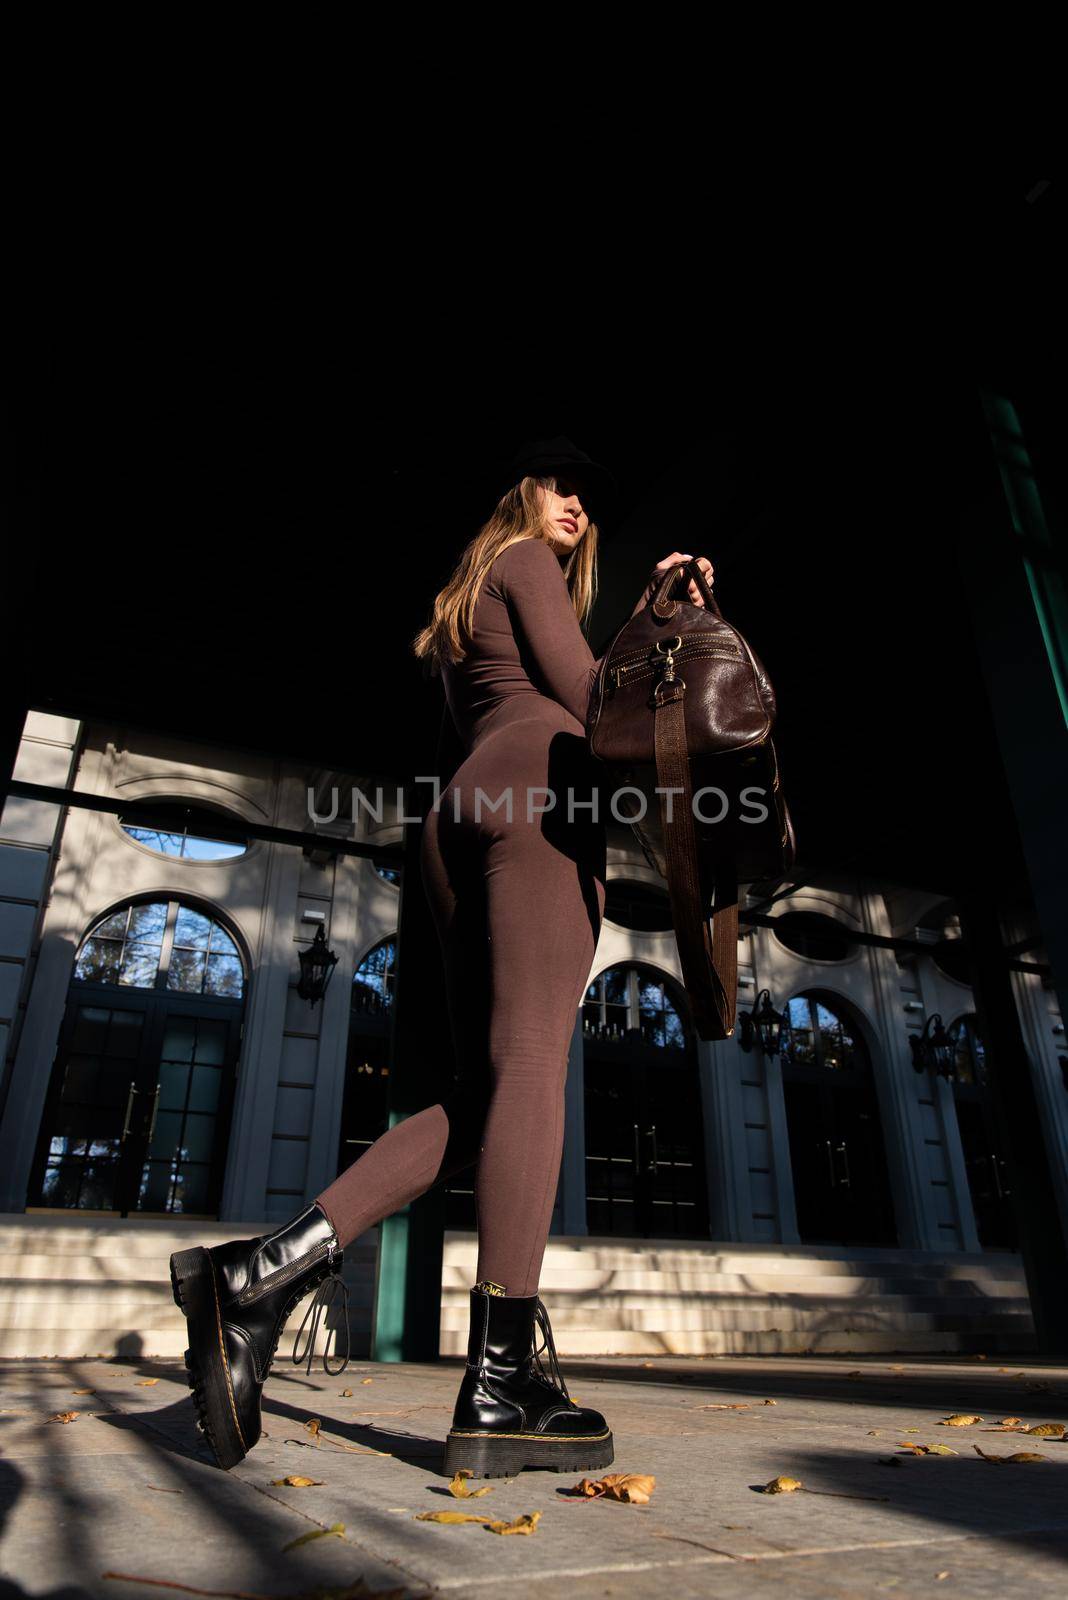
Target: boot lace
[[325, 1296], [552, 1375]]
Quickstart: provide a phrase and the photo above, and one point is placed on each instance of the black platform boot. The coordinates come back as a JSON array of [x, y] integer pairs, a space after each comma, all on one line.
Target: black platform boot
[[236, 1298], [511, 1413]]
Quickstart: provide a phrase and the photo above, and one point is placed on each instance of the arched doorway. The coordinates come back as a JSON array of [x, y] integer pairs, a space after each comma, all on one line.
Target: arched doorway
[[138, 1110], [365, 1106], [645, 1171], [841, 1184], [988, 1172]]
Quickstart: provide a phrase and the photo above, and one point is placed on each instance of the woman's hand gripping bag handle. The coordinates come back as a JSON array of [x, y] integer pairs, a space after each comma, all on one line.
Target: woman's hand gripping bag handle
[[680, 695]]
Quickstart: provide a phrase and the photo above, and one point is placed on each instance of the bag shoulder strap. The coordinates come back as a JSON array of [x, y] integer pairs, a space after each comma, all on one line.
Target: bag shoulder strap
[[709, 960]]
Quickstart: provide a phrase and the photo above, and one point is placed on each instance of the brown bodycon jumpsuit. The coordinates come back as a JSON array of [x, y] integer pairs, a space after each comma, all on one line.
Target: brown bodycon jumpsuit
[[517, 900]]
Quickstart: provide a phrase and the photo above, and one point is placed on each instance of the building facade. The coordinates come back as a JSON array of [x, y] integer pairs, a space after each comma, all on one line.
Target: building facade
[[160, 1062]]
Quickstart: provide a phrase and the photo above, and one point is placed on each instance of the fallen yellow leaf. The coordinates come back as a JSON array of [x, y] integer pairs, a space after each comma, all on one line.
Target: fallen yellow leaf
[[346, 1394], [771, 1402], [65, 1416], [526, 1523], [459, 1488], [635, 1487], [1018, 1455], [312, 1426], [337, 1529], [450, 1516], [367, 1380], [1048, 1430], [959, 1419], [145, 1383], [83, 1391], [783, 1485], [295, 1481]]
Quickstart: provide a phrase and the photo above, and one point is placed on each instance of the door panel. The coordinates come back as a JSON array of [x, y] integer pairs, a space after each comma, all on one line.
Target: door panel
[[988, 1179], [139, 1107], [613, 1149], [645, 1174], [841, 1184], [100, 1062]]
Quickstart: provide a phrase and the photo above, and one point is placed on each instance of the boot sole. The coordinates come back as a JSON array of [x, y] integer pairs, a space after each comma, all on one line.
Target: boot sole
[[501, 1455], [207, 1370]]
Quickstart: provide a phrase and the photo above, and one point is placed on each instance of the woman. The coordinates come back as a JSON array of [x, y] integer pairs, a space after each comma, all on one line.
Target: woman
[[515, 876]]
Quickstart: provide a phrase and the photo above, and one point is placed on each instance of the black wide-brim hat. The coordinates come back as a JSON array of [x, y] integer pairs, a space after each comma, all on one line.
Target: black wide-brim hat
[[542, 458]]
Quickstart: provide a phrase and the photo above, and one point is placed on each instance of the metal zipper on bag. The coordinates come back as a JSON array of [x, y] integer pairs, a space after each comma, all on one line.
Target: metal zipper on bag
[[275, 1280], [704, 640], [631, 671]]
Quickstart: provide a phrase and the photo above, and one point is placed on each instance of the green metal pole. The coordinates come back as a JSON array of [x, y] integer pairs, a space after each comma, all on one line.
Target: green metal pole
[[1045, 579], [1015, 593]]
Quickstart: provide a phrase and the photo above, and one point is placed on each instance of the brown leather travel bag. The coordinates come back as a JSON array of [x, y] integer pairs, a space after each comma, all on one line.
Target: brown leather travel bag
[[681, 705]]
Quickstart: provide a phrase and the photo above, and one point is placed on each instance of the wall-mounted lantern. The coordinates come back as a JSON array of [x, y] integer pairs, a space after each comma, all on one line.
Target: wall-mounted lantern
[[933, 1049], [762, 1026], [317, 965]]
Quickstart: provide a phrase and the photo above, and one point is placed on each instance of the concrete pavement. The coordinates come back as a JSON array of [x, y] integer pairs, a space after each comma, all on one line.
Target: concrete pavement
[[127, 1488]]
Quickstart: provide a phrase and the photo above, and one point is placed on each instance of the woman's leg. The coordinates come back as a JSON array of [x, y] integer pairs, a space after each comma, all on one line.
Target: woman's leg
[[518, 907], [544, 912], [434, 1144]]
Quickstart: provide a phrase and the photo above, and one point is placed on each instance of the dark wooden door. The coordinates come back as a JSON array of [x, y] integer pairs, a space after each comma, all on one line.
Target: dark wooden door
[[988, 1172], [139, 1106], [645, 1172], [841, 1184]]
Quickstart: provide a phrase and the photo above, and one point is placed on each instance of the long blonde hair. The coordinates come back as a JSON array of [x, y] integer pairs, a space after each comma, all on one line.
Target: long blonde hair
[[520, 514]]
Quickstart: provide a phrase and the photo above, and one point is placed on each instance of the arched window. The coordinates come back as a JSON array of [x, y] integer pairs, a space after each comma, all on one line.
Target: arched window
[[989, 1175], [190, 832], [837, 1154], [625, 1002], [141, 1093], [365, 1104], [951, 958], [969, 1060], [374, 979], [814, 1035], [643, 907], [162, 944], [645, 1173], [813, 935]]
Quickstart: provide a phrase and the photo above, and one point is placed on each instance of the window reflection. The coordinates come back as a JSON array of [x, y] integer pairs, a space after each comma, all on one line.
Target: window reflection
[[128, 948], [814, 1035], [191, 833], [627, 1003], [373, 982]]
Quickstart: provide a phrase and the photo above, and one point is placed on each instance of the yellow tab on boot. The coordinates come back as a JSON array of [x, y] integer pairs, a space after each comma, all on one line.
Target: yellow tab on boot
[[488, 1286]]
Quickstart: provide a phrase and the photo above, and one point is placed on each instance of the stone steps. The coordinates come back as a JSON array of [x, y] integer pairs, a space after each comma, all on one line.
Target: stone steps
[[100, 1287], [613, 1297]]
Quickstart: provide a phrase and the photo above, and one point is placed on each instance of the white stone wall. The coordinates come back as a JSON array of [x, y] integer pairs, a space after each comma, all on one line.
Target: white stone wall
[[29, 841], [285, 1131]]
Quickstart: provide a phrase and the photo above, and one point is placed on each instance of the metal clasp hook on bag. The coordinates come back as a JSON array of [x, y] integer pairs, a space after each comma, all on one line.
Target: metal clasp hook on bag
[[668, 651]]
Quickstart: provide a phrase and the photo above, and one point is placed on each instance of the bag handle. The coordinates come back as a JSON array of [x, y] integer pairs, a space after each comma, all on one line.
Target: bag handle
[[665, 607]]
